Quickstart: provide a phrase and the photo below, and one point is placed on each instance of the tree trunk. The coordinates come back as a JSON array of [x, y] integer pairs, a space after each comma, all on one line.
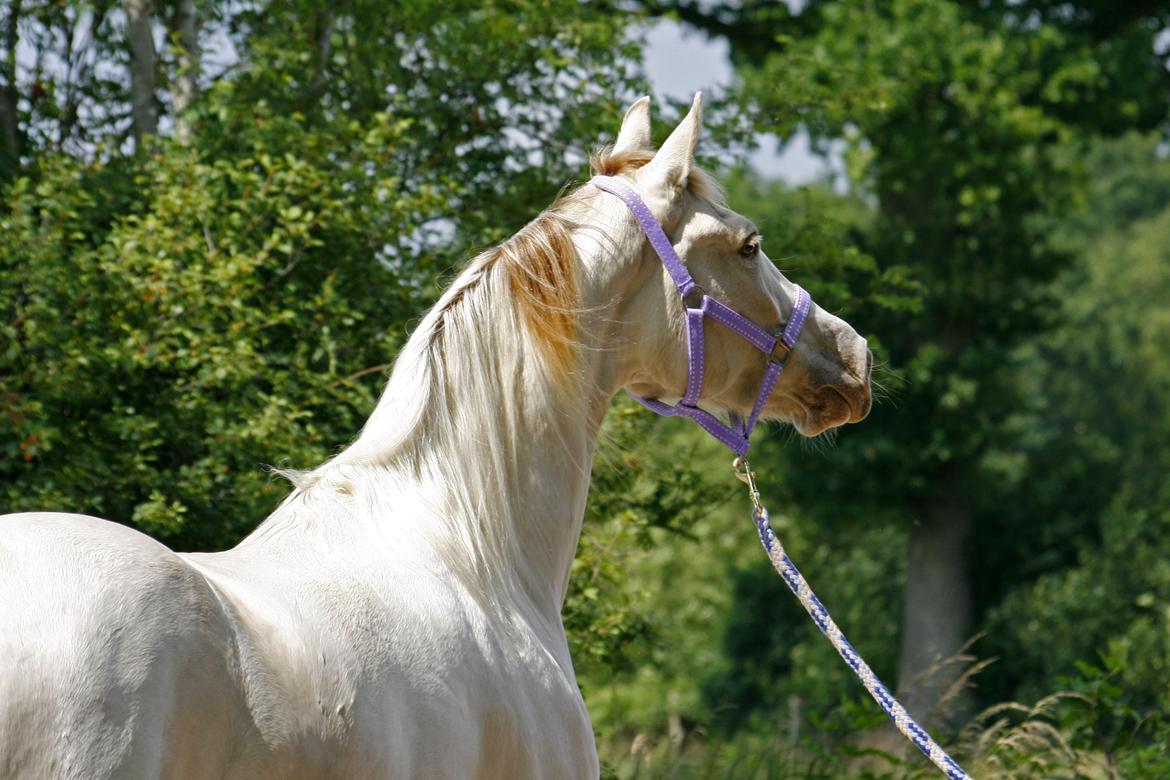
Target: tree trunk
[[323, 44], [9, 120], [143, 62], [937, 609], [185, 83]]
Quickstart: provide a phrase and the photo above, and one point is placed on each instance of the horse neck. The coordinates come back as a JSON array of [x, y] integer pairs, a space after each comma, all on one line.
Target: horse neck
[[493, 442]]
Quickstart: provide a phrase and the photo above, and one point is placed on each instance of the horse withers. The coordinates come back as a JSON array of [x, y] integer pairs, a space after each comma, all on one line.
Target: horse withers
[[398, 615]]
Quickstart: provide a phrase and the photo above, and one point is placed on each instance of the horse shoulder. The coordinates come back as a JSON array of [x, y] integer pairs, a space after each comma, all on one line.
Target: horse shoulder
[[382, 664], [341, 666]]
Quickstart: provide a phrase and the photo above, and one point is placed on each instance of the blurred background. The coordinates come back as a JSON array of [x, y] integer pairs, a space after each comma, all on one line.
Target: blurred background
[[219, 221]]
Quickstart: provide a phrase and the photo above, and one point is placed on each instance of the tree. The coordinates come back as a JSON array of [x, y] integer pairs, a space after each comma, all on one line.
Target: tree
[[10, 135], [184, 27], [1088, 450], [143, 63], [178, 318]]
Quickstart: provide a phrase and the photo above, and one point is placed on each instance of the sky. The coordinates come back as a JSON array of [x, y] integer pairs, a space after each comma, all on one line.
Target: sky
[[681, 61]]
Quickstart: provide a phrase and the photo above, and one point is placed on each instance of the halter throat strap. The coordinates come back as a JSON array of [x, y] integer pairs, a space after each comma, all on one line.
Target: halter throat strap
[[699, 306]]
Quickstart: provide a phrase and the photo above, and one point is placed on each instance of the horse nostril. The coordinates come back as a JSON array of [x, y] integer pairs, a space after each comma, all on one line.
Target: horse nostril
[[868, 362]]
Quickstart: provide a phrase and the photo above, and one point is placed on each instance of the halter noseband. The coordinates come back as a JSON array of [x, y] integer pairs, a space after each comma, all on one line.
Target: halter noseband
[[699, 305]]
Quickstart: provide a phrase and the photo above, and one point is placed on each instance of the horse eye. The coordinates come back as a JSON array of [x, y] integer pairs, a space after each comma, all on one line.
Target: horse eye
[[748, 250]]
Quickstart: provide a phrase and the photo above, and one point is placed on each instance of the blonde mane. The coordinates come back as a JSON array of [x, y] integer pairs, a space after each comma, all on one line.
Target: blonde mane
[[506, 328], [539, 262]]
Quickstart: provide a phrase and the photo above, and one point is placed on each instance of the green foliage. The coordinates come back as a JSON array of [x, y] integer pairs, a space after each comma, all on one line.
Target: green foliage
[[503, 102], [818, 237], [157, 360], [768, 637], [1087, 730], [172, 320], [963, 161], [175, 320], [1095, 421], [967, 127]]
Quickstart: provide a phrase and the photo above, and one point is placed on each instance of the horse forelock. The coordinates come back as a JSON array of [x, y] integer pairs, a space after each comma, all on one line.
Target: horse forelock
[[611, 162]]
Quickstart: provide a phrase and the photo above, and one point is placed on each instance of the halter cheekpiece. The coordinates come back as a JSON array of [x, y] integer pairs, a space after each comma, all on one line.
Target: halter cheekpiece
[[699, 305]]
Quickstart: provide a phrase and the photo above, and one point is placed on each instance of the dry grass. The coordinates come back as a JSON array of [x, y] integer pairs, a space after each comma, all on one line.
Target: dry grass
[[1008, 741]]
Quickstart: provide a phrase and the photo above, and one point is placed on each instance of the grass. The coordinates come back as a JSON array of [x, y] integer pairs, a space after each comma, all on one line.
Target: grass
[[1058, 738]]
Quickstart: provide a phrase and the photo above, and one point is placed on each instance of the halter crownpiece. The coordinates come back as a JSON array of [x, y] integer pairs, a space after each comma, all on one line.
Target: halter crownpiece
[[776, 347]]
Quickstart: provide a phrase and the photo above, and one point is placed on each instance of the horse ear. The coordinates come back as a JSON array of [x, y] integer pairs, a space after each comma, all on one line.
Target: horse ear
[[635, 132], [673, 161]]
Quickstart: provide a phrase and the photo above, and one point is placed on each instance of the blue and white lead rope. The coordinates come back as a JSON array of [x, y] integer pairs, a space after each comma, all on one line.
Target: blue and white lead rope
[[816, 610]]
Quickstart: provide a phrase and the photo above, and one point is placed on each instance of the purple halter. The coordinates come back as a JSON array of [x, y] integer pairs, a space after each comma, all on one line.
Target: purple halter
[[733, 436]]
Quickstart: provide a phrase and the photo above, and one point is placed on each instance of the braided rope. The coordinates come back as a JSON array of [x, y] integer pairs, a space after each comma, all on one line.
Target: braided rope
[[816, 610]]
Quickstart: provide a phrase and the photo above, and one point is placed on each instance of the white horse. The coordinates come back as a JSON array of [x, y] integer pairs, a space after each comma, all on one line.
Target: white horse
[[398, 615]]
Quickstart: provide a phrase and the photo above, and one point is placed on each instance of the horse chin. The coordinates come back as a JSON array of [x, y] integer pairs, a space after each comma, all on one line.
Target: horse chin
[[812, 417], [811, 428]]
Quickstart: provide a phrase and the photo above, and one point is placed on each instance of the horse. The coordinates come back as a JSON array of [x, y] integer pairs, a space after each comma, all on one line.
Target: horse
[[399, 614]]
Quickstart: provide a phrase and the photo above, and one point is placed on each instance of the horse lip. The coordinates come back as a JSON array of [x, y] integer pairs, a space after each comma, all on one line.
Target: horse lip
[[858, 407]]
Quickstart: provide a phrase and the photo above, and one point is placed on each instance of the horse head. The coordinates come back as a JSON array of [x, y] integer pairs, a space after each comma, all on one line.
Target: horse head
[[826, 370]]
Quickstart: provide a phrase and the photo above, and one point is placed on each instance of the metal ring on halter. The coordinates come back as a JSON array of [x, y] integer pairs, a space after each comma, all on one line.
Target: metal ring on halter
[[698, 294]]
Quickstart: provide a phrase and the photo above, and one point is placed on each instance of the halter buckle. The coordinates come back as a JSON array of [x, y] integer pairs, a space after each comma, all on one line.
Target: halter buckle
[[780, 351]]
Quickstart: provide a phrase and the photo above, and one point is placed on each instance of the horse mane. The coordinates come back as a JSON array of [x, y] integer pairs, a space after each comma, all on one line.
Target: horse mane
[[507, 327], [440, 447], [528, 285], [539, 262]]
